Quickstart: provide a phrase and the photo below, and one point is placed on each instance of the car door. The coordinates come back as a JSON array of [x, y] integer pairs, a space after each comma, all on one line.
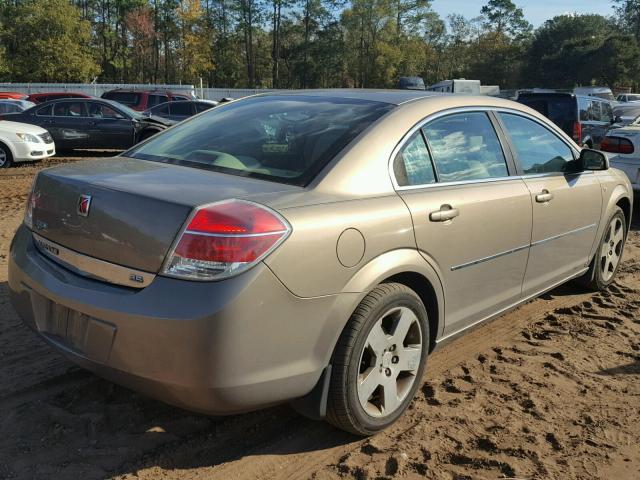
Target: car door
[[109, 127], [471, 218], [566, 204], [69, 124]]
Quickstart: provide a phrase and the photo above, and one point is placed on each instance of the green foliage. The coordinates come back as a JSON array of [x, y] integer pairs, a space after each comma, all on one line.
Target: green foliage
[[48, 41], [312, 43]]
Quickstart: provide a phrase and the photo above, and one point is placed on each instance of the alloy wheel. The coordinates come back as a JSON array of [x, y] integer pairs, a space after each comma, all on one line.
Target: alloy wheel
[[389, 362], [3, 157], [611, 249]]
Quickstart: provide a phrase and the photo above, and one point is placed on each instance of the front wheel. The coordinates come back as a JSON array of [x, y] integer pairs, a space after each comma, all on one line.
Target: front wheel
[[6, 159], [608, 256], [379, 360]]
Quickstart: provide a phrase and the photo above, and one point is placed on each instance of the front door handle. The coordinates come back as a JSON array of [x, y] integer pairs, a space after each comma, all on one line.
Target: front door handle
[[544, 196], [446, 212]]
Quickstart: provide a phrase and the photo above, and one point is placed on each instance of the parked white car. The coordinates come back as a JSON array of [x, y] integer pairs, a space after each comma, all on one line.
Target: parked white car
[[624, 146], [21, 142]]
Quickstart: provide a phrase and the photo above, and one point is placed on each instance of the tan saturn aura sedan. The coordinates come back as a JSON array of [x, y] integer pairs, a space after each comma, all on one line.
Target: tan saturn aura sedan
[[311, 246]]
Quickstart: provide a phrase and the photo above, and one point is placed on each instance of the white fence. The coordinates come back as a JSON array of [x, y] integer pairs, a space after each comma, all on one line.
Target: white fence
[[97, 89]]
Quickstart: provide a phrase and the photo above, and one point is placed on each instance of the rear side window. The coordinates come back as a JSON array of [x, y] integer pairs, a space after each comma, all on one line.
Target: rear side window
[[465, 146], [560, 109], [69, 109], [583, 105], [126, 98], [538, 149], [180, 108], [201, 107], [412, 165], [607, 112], [596, 111], [157, 99], [282, 138]]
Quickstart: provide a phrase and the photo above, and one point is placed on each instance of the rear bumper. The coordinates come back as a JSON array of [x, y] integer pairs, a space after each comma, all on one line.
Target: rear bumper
[[214, 347]]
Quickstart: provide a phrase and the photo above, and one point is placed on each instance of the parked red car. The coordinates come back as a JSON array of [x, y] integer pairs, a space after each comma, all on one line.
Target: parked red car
[[12, 95], [45, 97], [144, 99]]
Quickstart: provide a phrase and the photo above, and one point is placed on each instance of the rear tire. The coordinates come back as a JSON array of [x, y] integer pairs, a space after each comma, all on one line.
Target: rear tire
[[6, 158], [379, 360], [606, 261]]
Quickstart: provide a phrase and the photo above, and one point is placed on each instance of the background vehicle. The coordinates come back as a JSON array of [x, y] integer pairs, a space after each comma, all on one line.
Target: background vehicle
[[628, 97], [600, 92], [91, 123], [195, 245], [14, 106], [20, 142], [180, 109], [585, 119], [624, 146], [142, 100], [46, 97], [411, 83], [459, 85], [13, 95]]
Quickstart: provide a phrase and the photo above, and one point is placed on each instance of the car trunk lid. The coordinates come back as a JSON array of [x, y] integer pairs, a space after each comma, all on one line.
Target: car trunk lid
[[136, 208]]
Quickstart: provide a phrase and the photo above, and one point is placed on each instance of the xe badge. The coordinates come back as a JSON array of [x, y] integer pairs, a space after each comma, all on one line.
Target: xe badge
[[84, 202]]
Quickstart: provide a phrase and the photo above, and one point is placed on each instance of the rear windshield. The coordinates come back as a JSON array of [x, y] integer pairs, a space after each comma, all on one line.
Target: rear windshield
[[561, 110], [126, 98], [285, 138]]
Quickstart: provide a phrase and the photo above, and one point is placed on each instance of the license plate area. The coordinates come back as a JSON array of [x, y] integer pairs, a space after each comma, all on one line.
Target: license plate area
[[82, 334]]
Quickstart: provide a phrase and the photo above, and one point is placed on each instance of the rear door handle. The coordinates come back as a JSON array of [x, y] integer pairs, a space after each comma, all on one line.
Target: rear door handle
[[446, 212], [544, 196]]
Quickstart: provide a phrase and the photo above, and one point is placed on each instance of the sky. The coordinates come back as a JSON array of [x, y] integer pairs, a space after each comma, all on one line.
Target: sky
[[535, 11]]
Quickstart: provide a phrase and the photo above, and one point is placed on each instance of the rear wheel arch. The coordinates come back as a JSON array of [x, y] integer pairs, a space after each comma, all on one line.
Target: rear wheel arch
[[427, 293], [409, 268]]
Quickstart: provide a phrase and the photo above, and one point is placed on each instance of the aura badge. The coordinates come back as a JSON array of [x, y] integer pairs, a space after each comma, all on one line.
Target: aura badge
[[84, 203]]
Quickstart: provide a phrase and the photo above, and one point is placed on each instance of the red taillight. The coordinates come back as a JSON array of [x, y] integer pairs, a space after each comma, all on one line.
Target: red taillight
[[225, 238], [617, 145], [577, 133]]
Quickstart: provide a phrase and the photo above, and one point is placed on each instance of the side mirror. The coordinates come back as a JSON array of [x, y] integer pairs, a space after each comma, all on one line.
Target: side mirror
[[617, 119], [593, 160]]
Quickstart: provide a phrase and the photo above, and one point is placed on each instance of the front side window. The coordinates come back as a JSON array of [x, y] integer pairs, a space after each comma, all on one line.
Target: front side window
[[465, 146], [99, 110], [538, 149], [69, 109], [282, 138], [412, 165]]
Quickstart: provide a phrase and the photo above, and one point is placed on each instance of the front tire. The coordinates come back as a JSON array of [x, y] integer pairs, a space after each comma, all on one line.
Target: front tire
[[6, 159], [379, 360], [606, 261]]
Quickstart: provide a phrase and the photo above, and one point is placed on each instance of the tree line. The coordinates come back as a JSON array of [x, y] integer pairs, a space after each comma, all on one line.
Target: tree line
[[311, 43]]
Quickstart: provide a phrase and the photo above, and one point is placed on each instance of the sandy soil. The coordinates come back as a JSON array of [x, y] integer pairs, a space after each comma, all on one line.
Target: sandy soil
[[551, 390]]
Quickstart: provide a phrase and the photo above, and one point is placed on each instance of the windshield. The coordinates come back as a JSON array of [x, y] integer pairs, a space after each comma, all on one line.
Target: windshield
[[284, 138]]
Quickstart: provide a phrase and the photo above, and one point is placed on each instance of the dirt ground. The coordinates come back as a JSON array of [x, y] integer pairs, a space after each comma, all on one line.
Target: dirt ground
[[549, 391]]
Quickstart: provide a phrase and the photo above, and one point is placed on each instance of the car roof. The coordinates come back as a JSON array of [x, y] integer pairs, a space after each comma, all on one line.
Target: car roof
[[394, 97]]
